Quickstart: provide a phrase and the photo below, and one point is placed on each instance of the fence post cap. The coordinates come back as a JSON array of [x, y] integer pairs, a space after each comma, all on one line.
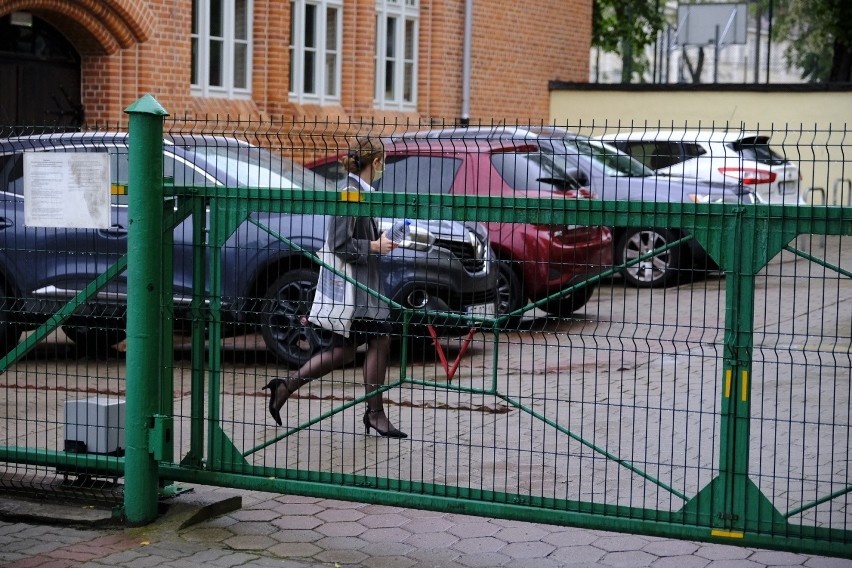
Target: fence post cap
[[147, 105]]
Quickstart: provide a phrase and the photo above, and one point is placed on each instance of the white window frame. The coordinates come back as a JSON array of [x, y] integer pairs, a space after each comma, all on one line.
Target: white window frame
[[327, 52], [201, 39], [402, 11]]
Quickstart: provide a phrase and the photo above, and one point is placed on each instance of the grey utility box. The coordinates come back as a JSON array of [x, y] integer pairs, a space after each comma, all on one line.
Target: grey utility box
[[95, 425]]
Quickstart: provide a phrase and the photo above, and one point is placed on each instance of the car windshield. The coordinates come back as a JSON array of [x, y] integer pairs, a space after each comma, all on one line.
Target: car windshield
[[534, 171], [614, 162], [255, 167]]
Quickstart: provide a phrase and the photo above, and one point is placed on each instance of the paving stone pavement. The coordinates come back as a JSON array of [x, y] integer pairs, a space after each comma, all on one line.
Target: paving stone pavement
[[291, 532]]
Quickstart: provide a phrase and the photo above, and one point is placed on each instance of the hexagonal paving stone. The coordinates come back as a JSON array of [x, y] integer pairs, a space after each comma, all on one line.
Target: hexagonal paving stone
[[484, 560], [522, 533], [336, 504], [627, 559], [337, 515], [534, 549], [251, 542], [299, 522], [722, 552], [570, 537], [335, 557], [620, 543], [670, 547], [341, 529], [432, 540], [427, 525], [294, 550], [387, 548], [393, 534], [477, 529], [681, 562], [297, 535], [253, 528], [777, 558], [206, 535], [479, 545], [389, 562], [297, 509], [577, 555], [386, 520], [254, 515]]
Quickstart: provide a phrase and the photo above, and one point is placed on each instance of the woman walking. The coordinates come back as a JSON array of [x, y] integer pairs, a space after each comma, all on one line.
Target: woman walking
[[356, 240]]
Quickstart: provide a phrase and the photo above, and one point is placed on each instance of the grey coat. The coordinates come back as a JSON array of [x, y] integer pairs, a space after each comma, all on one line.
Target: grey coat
[[349, 238]]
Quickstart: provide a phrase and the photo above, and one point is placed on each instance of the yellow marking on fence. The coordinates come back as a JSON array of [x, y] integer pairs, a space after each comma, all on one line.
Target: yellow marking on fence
[[727, 534], [119, 189], [728, 383], [744, 394], [350, 196]]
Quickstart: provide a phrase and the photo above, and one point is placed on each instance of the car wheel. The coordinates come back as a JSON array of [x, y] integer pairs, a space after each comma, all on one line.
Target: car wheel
[[283, 319], [10, 334], [510, 293], [565, 306], [95, 342], [660, 270]]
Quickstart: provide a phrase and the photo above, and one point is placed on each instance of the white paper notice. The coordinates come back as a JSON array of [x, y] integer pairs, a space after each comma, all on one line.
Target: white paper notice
[[66, 189]]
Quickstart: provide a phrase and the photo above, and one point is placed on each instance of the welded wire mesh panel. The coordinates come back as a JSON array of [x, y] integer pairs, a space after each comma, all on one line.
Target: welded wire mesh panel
[[62, 398], [622, 336]]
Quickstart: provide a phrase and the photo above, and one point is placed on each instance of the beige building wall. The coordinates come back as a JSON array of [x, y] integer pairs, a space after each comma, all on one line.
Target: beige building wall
[[813, 128]]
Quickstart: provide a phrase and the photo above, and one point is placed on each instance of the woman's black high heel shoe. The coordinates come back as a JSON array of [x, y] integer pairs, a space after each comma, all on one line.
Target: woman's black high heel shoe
[[391, 432]]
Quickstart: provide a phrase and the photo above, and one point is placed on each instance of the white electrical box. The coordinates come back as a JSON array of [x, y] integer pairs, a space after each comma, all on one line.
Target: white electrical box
[[94, 425]]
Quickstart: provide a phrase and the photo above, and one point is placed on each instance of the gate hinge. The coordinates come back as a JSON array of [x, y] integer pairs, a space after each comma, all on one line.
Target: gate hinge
[[160, 438]]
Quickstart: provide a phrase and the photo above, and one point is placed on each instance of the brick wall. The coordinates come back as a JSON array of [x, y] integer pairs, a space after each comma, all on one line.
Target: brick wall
[[130, 48]]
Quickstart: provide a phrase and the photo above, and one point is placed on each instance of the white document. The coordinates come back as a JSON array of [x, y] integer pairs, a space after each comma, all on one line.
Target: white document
[[67, 189]]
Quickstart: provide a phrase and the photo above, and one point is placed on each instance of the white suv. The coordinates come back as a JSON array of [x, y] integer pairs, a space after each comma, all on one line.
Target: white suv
[[715, 156]]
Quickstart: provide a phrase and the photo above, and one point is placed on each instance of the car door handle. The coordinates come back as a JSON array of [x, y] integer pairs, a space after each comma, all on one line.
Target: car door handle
[[114, 231], [5, 223]]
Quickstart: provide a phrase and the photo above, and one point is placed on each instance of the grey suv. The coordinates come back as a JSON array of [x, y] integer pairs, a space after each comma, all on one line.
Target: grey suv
[[267, 285]]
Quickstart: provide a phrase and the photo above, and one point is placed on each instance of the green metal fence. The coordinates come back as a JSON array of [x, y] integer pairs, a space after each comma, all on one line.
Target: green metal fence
[[714, 408]]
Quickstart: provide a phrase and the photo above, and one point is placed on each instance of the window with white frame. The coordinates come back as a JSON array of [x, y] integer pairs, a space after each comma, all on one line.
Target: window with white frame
[[396, 53], [221, 47], [315, 38]]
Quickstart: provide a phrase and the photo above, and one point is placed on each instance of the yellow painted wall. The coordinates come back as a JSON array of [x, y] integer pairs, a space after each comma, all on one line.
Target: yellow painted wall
[[811, 128]]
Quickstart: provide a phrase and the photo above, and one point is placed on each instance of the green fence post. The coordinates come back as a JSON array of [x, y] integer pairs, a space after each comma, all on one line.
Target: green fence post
[[144, 264]]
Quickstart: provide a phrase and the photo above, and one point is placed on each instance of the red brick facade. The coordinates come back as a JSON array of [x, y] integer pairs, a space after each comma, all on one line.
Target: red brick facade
[[133, 47]]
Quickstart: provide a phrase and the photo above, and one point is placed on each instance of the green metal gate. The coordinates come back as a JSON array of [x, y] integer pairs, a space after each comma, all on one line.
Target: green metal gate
[[709, 411]]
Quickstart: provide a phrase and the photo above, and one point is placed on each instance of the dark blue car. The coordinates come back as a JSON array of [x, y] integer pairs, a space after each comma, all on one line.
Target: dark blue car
[[267, 285]]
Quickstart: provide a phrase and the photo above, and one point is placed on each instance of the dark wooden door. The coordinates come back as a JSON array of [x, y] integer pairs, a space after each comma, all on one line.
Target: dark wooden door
[[39, 77]]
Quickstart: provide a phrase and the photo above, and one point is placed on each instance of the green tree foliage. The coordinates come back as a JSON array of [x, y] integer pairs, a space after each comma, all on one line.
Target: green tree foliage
[[819, 33], [625, 27]]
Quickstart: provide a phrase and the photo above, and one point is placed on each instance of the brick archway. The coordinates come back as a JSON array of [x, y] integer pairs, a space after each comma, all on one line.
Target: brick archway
[[98, 27]]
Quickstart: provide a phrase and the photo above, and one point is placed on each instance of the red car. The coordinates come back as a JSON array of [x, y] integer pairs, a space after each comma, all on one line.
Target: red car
[[535, 260]]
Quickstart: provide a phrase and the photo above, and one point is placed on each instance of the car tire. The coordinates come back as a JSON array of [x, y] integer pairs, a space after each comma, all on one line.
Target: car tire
[[95, 342], [664, 269], [283, 318], [511, 294], [10, 334], [565, 306]]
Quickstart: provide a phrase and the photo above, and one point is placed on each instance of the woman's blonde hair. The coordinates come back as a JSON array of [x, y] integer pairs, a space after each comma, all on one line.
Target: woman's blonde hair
[[361, 153]]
